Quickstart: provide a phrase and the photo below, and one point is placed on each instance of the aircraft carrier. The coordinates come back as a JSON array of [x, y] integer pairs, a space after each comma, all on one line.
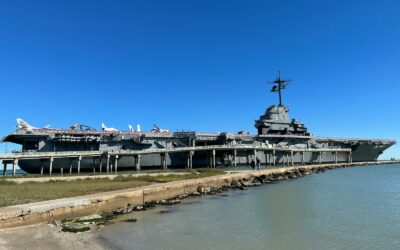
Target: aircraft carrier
[[275, 130]]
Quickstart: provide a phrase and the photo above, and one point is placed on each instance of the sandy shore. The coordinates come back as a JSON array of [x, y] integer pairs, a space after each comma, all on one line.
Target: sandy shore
[[49, 237]]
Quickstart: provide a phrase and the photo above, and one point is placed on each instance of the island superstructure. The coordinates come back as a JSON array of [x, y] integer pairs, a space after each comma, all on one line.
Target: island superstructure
[[276, 133]]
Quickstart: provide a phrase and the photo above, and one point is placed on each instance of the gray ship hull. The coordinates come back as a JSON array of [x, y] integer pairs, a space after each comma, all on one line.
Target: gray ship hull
[[367, 152], [275, 130]]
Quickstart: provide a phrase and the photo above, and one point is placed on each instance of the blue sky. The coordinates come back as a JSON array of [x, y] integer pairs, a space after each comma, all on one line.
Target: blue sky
[[201, 65]]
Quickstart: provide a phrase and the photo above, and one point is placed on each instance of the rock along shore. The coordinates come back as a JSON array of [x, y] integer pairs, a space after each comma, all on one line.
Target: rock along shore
[[127, 200]]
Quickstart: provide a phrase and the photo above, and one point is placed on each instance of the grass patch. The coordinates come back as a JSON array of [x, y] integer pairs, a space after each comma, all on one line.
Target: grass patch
[[75, 230], [12, 193]]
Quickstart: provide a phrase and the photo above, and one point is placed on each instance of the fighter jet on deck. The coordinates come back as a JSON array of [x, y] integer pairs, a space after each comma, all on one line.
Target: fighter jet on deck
[[105, 128], [156, 129], [21, 124]]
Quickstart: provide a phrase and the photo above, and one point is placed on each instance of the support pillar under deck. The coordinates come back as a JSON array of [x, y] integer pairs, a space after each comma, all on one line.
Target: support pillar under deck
[[116, 164], [70, 166], [15, 163], [79, 164], [138, 162], [4, 168], [164, 161], [101, 164], [291, 157], [234, 158], [42, 168], [108, 164], [273, 157], [51, 165], [320, 157], [191, 159], [213, 158]]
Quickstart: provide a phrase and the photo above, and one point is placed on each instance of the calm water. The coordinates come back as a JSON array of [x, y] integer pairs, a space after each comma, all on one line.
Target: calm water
[[354, 208]]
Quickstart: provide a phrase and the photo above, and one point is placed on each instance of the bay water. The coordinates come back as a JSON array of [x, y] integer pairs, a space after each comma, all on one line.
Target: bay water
[[351, 208]]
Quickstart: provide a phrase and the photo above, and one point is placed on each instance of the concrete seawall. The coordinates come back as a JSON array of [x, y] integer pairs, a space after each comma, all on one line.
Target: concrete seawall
[[47, 211]]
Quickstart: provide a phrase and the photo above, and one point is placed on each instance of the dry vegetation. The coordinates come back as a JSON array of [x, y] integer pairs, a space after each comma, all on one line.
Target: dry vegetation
[[13, 194]]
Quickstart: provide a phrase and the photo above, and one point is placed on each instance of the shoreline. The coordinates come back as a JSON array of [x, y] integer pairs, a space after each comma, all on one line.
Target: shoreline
[[50, 236], [108, 202]]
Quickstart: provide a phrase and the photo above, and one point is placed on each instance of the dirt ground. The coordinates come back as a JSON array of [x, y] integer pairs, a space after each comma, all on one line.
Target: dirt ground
[[49, 237]]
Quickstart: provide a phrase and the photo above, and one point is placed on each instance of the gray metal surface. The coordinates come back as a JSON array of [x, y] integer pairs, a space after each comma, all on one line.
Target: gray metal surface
[[276, 132]]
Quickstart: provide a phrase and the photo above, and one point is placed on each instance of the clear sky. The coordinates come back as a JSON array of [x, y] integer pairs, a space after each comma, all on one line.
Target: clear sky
[[201, 65]]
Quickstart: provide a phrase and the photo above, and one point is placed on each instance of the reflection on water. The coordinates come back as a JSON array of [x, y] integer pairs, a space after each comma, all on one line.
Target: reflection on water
[[9, 172], [353, 208]]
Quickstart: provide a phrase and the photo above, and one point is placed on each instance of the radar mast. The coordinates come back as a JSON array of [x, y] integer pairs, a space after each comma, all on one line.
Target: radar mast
[[279, 84]]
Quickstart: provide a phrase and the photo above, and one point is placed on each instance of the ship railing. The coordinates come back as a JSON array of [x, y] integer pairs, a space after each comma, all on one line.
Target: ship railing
[[59, 153], [227, 147], [72, 154]]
